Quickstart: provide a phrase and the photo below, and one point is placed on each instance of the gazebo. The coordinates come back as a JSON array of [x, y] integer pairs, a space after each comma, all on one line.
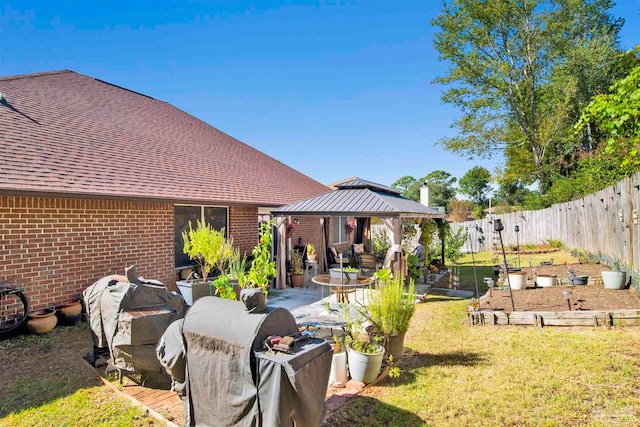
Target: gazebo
[[353, 197]]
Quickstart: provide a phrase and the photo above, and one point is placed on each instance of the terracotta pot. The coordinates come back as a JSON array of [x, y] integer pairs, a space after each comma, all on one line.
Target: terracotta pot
[[297, 281], [313, 257], [42, 321], [70, 314]]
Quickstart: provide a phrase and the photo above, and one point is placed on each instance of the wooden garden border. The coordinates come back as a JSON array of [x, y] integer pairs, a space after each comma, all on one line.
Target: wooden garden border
[[557, 318]]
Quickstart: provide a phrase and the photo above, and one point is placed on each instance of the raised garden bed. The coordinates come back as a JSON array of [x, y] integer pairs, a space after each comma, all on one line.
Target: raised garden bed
[[557, 318], [591, 305]]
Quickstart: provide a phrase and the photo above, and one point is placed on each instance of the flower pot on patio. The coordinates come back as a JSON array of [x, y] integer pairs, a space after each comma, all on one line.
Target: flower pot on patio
[[338, 376], [614, 279], [365, 367], [297, 280], [42, 321]]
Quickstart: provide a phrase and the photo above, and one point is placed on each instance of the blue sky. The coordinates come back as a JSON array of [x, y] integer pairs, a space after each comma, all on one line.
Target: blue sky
[[332, 89]]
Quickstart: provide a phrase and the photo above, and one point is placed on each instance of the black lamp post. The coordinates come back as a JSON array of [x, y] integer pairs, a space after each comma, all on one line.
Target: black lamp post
[[497, 226], [518, 244]]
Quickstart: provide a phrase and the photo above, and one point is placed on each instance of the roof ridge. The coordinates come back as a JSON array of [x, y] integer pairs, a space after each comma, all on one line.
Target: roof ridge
[[38, 74], [48, 73], [124, 88]]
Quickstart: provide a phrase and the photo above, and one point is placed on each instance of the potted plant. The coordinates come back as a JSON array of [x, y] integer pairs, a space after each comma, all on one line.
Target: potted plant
[[391, 306], [262, 266], [227, 285], [296, 270], [209, 249], [616, 278], [311, 253], [365, 355]]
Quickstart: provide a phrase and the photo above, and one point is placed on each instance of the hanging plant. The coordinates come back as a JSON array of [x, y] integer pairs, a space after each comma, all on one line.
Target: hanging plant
[[349, 226]]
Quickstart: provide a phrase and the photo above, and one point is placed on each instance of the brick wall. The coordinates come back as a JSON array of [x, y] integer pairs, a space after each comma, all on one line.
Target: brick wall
[[61, 246], [308, 228], [243, 227]]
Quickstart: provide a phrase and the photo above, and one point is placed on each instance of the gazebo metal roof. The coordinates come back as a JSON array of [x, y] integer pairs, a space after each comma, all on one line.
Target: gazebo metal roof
[[358, 197]]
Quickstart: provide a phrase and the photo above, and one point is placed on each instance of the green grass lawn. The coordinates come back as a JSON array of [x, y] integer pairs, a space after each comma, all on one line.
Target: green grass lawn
[[455, 375], [45, 382], [452, 375]]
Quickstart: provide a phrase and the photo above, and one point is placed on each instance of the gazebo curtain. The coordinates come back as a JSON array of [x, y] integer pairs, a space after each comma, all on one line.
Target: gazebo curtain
[[281, 279], [363, 227], [322, 260]]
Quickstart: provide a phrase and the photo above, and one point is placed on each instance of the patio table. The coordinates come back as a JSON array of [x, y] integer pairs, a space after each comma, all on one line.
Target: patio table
[[341, 287]]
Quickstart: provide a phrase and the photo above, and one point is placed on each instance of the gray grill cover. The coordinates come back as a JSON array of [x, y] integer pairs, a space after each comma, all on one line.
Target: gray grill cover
[[130, 318], [231, 380]]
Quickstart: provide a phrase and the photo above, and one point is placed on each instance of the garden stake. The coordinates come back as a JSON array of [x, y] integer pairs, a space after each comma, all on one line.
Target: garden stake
[[473, 261], [497, 226]]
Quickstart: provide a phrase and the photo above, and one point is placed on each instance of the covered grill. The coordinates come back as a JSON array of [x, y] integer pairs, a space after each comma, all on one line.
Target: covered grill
[[129, 319], [217, 360]]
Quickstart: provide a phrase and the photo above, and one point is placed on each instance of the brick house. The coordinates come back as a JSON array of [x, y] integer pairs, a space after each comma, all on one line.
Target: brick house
[[95, 177]]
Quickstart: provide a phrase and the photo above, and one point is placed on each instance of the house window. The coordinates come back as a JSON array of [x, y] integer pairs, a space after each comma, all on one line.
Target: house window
[[339, 234], [216, 216]]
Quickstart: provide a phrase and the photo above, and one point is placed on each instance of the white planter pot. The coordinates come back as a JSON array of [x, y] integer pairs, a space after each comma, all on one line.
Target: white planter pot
[[335, 274], [546, 281], [365, 367], [338, 376], [518, 280], [614, 279]]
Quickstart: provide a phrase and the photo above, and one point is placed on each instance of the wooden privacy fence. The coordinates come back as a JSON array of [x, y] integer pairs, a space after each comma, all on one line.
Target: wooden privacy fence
[[604, 223]]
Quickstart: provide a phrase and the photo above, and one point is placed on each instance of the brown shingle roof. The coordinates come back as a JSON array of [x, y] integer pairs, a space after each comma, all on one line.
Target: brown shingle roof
[[65, 132]]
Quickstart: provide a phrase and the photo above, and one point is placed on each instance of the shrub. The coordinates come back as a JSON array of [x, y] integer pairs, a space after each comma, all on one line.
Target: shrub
[[391, 306]]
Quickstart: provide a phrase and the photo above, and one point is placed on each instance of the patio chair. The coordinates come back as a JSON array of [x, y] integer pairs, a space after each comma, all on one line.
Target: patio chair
[[367, 262]]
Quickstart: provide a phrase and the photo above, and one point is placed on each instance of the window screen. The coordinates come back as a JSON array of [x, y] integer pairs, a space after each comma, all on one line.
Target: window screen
[[215, 216], [339, 233]]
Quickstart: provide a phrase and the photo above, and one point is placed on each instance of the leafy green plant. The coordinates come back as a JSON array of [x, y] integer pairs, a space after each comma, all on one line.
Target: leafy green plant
[[237, 265], [355, 333], [347, 269], [554, 243], [262, 266], [310, 249], [381, 241], [296, 264], [391, 306], [224, 288], [236, 270], [414, 267], [453, 242], [207, 247]]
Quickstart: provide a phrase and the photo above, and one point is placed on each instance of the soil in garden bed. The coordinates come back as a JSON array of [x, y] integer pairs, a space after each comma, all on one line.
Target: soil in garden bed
[[589, 297]]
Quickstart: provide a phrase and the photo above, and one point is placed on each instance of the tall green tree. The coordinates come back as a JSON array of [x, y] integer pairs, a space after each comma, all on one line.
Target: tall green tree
[[440, 183], [510, 62], [618, 115], [404, 184], [441, 187], [476, 184]]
